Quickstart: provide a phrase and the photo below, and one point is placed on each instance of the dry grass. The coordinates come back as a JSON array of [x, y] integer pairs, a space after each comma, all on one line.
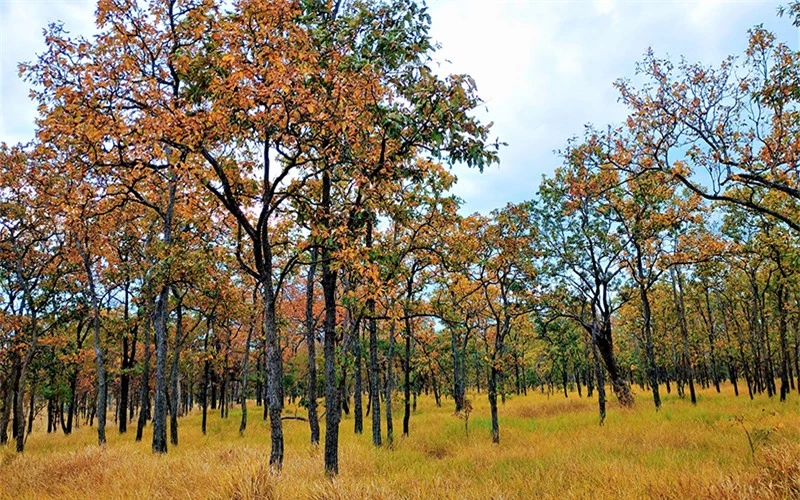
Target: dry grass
[[550, 447]]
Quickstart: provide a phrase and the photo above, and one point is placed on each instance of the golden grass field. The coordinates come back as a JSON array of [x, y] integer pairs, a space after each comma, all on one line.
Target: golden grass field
[[550, 447]]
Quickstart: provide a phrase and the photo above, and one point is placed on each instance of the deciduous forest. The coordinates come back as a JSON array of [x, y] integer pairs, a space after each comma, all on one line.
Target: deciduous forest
[[232, 265]]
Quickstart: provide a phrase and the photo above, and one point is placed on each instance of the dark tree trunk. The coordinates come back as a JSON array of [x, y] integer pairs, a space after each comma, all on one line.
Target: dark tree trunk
[[223, 382], [124, 387], [144, 386], [331, 384], [31, 408], [602, 340], [782, 335], [407, 377], [374, 382], [245, 359], [796, 334], [206, 377], [128, 354], [601, 384], [160, 409], [8, 402], [389, 384], [98, 350], [458, 372], [160, 322], [214, 381], [275, 370], [311, 389], [358, 384], [652, 373], [493, 403], [174, 390], [677, 288], [711, 325]]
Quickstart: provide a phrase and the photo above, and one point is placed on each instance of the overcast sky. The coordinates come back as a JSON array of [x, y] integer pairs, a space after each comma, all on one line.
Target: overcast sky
[[544, 68]]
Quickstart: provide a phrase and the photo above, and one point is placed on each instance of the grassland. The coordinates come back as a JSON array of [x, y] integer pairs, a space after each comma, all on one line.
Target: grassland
[[550, 447]]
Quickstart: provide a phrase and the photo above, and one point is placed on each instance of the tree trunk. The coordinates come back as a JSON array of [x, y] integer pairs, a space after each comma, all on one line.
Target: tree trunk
[[174, 388], [493, 402], [407, 377], [712, 340], [331, 384], [144, 386], [389, 383], [358, 384], [374, 382], [311, 340], [98, 350], [652, 375], [160, 320], [458, 372], [602, 340], [782, 334], [160, 409], [245, 359], [677, 289], [127, 363], [206, 377], [275, 370], [601, 384], [8, 399]]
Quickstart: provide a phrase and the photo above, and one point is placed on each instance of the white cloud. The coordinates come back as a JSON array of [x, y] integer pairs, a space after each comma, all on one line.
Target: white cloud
[[21, 39], [547, 68], [605, 6]]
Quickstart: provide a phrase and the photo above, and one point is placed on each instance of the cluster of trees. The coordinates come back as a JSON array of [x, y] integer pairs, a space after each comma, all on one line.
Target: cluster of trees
[[218, 190]]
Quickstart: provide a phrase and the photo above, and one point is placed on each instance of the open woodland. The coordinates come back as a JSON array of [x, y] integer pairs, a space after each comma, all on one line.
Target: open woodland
[[232, 266]]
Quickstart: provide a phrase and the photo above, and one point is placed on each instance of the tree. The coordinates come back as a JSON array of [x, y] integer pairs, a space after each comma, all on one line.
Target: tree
[[583, 248]]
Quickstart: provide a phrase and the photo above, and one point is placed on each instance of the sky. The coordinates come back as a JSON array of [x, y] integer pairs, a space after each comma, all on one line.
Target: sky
[[545, 69]]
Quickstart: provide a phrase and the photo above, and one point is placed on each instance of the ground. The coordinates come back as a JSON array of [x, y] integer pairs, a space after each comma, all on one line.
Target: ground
[[549, 447]]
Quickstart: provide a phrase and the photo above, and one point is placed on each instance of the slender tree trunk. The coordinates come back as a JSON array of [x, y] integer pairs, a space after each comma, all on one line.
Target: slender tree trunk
[[648, 346], [174, 388], [677, 290], [493, 402], [160, 409], [98, 350], [125, 376], [245, 359], [275, 369], [407, 377], [160, 322], [144, 386], [358, 389], [31, 408], [601, 338], [601, 383], [796, 334], [331, 384], [458, 372], [712, 339], [389, 383], [8, 399], [24, 361], [311, 340], [329, 347], [223, 382], [374, 382], [782, 334], [206, 376]]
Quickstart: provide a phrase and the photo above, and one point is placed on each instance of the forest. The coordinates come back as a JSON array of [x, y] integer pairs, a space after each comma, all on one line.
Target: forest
[[232, 253]]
